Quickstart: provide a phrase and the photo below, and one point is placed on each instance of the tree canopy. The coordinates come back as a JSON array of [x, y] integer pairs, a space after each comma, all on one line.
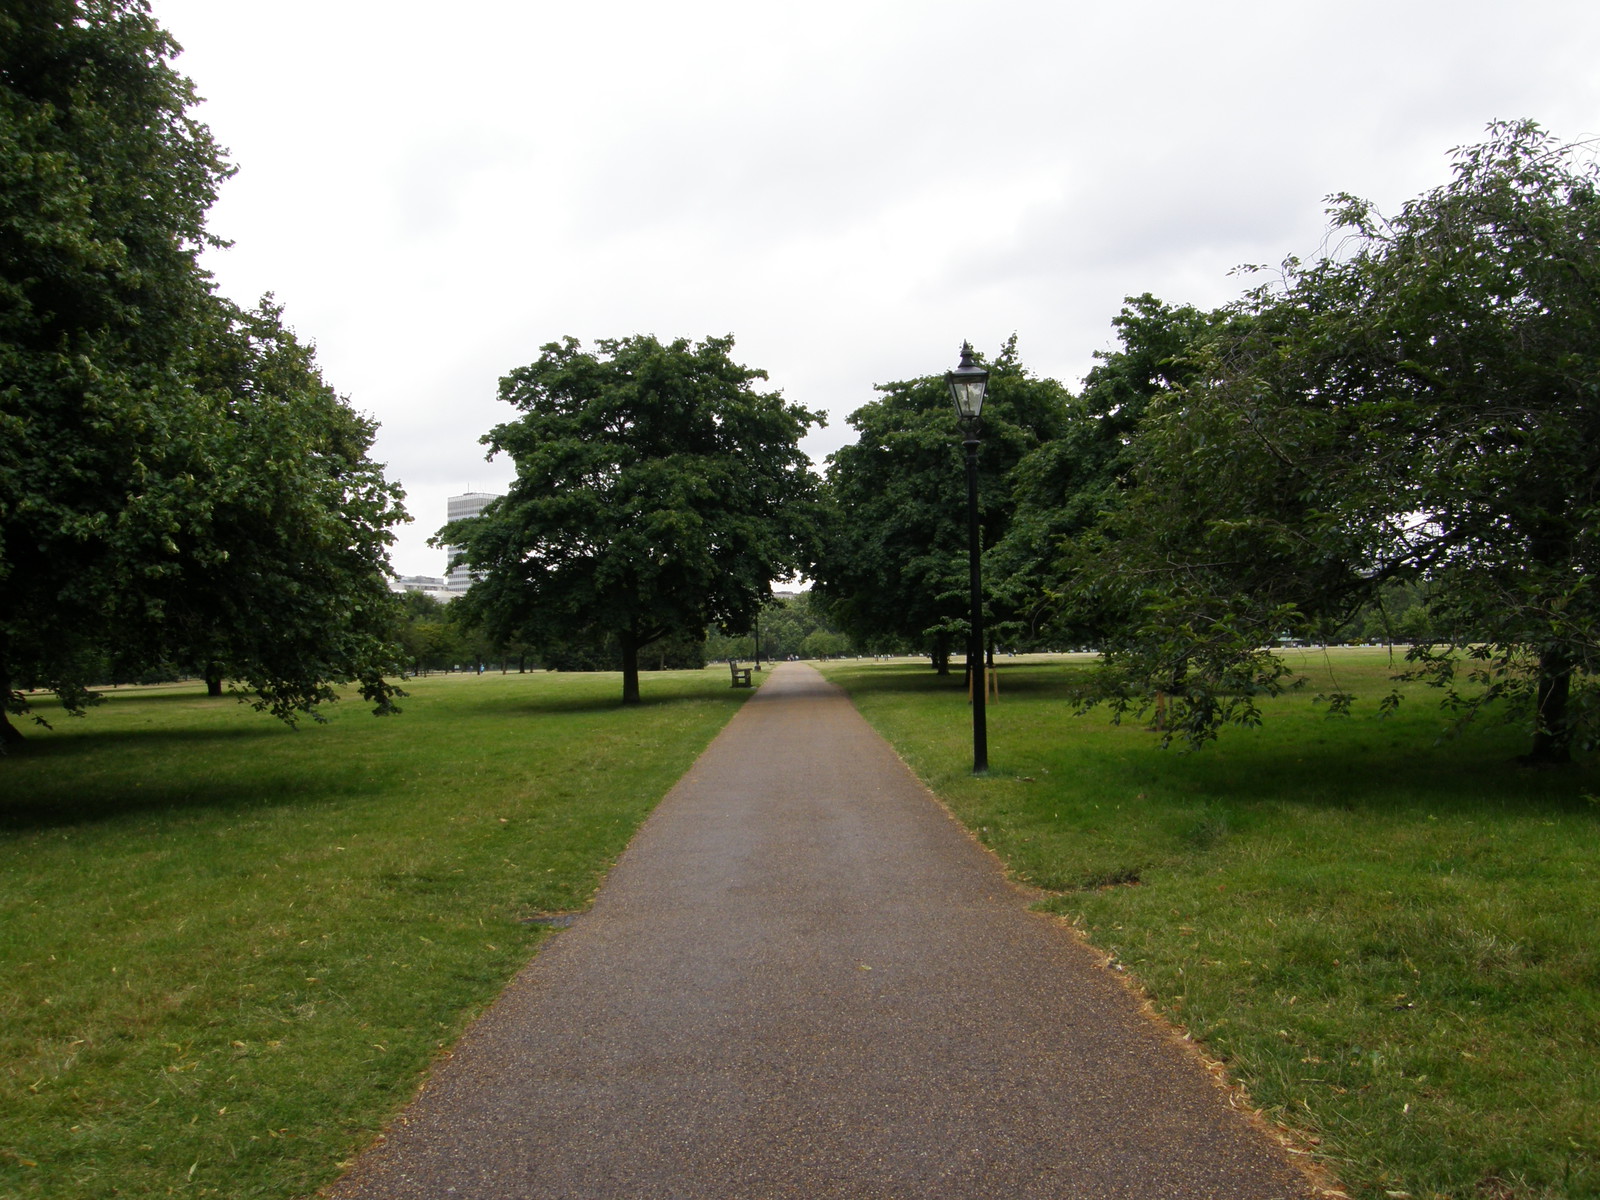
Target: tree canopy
[[658, 491], [1419, 404], [1065, 488], [894, 563], [278, 523], [789, 626], [175, 477]]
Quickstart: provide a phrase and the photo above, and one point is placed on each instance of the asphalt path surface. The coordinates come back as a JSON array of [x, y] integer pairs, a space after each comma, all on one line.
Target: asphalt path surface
[[804, 979]]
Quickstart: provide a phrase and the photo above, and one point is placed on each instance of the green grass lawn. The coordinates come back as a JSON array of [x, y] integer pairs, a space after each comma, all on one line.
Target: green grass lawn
[[229, 949], [1389, 938]]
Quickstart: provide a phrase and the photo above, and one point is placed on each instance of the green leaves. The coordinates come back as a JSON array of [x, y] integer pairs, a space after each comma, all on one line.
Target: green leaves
[[657, 492], [177, 482], [1421, 407], [894, 564]]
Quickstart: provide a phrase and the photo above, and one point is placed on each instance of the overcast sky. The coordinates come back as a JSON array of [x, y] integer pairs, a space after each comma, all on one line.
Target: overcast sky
[[849, 188]]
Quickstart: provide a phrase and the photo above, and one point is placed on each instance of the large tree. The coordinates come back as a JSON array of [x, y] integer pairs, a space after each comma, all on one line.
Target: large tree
[[272, 564], [104, 186], [150, 434], [894, 565], [658, 491], [1064, 488], [1422, 404]]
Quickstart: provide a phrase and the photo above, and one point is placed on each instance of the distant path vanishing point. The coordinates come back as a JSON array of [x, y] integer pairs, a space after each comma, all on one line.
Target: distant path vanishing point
[[803, 979]]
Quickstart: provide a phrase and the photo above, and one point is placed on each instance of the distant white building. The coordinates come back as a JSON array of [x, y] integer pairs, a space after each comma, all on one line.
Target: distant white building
[[459, 508], [428, 585]]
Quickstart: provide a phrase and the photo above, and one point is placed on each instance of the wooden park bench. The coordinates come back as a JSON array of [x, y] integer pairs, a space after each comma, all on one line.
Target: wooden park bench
[[741, 675]]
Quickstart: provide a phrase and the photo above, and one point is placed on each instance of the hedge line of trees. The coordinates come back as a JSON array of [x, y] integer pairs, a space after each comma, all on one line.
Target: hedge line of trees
[[1415, 416], [436, 637], [1402, 435]]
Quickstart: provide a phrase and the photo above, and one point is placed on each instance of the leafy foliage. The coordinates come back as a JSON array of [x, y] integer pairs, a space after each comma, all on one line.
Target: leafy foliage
[[1065, 489], [657, 492], [274, 507], [176, 480], [1482, 320], [894, 565], [789, 626], [1421, 404]]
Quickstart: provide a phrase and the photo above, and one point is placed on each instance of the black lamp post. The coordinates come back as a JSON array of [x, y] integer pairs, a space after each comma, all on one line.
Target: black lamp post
[[967, 385]]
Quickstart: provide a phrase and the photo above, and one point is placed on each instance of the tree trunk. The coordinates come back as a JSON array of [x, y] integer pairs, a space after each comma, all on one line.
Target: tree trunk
[[941, 654], [213, 679], [1552, 735], [10, 735], [1173, 685], [630, 667]]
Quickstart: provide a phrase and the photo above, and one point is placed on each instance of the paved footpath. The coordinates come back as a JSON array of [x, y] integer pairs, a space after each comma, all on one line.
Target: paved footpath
[[803, 979]]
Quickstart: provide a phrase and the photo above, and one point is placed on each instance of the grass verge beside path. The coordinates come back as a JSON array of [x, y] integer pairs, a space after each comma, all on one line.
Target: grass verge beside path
[[230, 949], [1389, 939]]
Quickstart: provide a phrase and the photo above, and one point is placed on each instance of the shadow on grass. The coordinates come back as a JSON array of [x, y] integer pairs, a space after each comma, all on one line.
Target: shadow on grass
[[44, 811], [1408, 771], [463, 697], [1020, 679], [90, 775], [164, 694], [84, 774], [559, 706], [70, 741], [1359, 762]]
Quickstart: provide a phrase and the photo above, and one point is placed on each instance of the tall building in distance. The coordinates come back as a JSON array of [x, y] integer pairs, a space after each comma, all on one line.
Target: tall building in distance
[[459, 508]]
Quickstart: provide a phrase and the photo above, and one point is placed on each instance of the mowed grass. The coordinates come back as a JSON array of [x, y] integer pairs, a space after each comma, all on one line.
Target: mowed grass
[[229, 949], [1392, 940]]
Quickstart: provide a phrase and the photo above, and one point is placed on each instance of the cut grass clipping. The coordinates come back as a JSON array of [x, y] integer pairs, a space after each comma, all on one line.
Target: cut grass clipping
[[1389, 938], [229, 949]]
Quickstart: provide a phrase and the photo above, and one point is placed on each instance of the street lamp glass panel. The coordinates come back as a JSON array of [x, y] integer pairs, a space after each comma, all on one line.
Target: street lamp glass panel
[[968, 395], [968, 383]]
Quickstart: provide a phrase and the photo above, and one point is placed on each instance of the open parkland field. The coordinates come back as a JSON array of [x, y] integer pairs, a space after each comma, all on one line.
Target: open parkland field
[[229, 950]]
